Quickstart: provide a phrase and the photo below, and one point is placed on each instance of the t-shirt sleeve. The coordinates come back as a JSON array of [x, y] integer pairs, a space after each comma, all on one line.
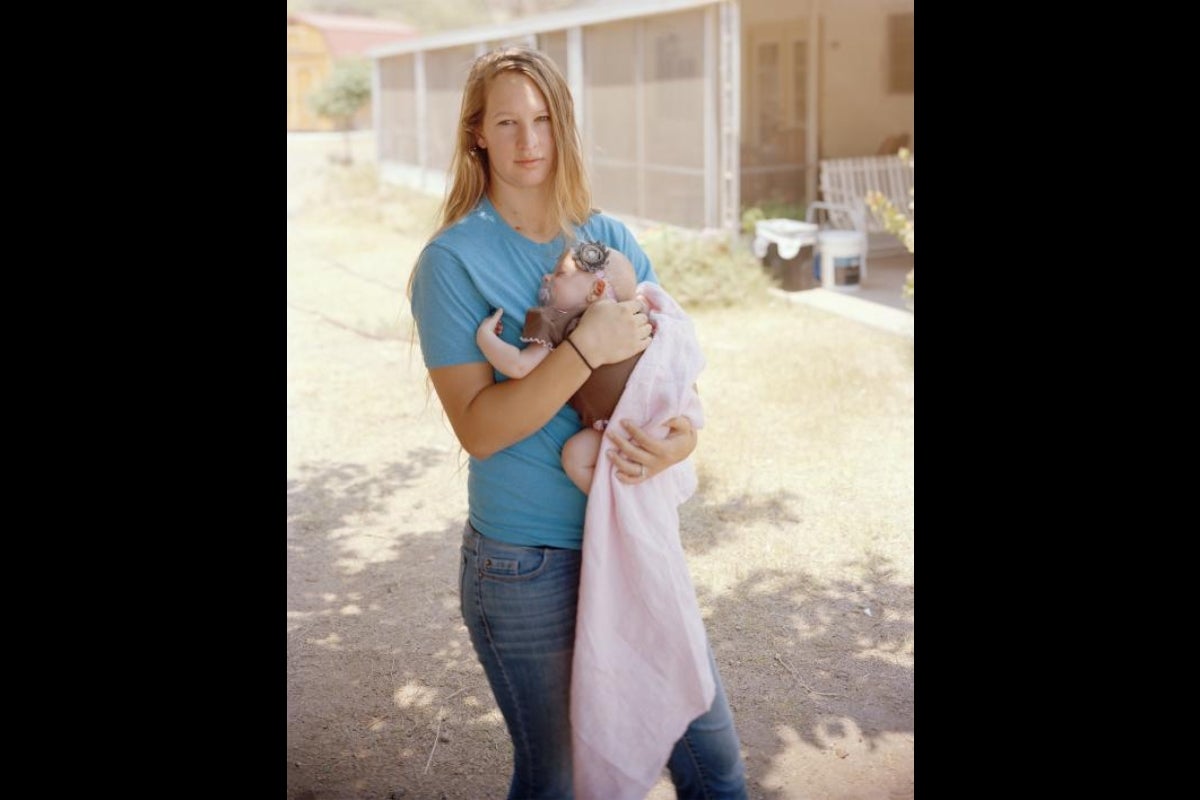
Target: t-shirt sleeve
[[641, 262], [619, 236], [448, 309]]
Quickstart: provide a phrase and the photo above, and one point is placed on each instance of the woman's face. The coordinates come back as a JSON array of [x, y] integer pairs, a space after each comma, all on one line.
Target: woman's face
[[568, 286], [516, 132]]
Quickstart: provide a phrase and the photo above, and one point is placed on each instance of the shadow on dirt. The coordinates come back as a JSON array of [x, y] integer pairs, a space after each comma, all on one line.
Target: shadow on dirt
[[385, 693], [380, 669], [789, 669], [696, 515]]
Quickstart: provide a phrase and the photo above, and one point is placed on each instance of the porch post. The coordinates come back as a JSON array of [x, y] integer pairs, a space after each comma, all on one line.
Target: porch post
[[729, 66], [421, 115], [812, 150]]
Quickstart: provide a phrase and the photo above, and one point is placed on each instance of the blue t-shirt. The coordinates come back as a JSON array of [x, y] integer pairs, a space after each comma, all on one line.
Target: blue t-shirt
[[520, 495]]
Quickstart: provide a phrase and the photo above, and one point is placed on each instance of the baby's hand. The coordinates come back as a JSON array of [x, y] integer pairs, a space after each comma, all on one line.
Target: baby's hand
[[493, 323], [647, 309]]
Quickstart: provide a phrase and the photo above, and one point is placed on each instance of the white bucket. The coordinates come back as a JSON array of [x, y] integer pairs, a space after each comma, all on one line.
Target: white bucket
[[845, 251]]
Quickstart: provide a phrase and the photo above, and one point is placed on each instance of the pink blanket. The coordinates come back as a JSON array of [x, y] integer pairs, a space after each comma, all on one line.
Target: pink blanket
[[641, 672]]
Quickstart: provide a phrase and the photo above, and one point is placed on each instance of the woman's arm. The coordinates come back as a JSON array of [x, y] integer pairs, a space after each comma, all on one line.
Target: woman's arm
[[510, 360], [488, 417]]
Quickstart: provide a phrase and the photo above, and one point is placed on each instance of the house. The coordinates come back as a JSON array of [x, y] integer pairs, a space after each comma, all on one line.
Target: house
[[315, 42], [690, 110]]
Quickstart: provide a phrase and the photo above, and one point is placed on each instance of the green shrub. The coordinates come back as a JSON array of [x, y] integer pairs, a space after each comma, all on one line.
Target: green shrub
[[702, 270], [771, 209]]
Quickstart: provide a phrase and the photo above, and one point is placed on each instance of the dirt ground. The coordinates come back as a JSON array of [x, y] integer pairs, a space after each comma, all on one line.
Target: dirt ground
[[800, 538]]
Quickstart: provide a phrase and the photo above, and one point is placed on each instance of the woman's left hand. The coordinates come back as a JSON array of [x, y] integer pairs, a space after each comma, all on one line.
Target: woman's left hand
[[641, 456]]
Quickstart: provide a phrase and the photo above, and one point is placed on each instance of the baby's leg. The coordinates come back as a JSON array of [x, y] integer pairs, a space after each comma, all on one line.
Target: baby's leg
[[579, 457]]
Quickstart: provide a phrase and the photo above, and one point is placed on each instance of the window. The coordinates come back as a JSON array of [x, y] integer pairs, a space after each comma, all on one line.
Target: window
[[671, 61], [900, 53], [776, 87], [766, 79], [800, 80]]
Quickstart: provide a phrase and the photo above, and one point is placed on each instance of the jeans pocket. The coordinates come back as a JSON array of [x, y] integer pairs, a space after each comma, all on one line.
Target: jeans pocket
[[512, 563]]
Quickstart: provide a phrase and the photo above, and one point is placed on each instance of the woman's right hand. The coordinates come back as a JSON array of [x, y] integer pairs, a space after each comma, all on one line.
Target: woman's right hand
[[609, 332]]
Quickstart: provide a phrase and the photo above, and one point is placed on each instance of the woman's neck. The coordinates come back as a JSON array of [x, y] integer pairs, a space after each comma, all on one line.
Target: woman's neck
[[526, 212]]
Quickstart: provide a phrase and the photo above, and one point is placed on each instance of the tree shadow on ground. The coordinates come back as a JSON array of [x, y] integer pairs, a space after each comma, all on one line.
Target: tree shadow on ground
[[705, 525], [329, 493], [823, 661], [812, 665], [384, 691]]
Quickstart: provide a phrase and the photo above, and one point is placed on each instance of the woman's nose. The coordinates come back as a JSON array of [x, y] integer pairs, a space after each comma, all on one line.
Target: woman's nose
[[527, 137]]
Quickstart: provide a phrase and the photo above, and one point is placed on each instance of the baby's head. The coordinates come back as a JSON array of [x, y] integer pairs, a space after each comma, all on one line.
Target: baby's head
[[584, 274]]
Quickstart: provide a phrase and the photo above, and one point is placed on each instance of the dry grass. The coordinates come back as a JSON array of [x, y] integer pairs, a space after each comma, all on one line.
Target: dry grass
[[800, 538]]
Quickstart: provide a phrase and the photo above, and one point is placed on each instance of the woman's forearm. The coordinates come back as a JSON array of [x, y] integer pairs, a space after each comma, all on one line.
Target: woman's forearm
[[488, 417]]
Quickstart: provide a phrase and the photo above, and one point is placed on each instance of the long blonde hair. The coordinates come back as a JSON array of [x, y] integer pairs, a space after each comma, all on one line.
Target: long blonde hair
[[571, 195]]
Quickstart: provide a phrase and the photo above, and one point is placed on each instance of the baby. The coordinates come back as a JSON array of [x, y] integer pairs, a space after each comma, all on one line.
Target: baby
[[583, 275]]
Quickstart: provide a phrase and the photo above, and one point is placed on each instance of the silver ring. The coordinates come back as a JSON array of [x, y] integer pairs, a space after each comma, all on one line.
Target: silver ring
[[643, 471]]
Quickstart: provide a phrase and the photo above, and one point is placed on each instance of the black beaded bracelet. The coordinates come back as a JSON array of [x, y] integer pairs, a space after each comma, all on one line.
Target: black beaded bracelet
[[585, 361]]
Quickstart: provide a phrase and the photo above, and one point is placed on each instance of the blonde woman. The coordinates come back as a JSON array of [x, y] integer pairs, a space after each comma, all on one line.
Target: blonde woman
[[518, 196]]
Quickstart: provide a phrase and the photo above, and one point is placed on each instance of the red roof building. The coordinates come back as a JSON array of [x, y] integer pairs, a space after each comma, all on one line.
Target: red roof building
[[315, 42]]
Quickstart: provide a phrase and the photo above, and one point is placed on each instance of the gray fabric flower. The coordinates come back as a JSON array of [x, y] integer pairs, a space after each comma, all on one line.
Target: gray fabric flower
[[591, 256]]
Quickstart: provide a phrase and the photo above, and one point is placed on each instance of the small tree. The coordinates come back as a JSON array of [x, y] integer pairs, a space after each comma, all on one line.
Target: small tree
[[340, 98]]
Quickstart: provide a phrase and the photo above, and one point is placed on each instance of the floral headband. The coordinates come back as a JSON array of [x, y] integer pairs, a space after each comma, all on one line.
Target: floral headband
[[591, 256]]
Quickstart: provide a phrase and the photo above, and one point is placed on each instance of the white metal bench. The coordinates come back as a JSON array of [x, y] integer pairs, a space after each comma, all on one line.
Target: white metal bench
[[844, 183]]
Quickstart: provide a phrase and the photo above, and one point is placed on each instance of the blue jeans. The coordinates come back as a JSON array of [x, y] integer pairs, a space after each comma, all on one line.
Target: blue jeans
[[519, 606]]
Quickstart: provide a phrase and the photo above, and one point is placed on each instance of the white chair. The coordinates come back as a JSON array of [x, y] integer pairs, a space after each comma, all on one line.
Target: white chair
[[844, 184]]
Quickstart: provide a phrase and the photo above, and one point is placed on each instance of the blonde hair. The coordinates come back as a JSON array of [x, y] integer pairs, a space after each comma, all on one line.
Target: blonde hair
[[571, 194]]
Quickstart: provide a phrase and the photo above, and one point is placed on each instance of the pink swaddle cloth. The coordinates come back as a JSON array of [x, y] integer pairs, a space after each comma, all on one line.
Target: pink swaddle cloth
[[641, 672]]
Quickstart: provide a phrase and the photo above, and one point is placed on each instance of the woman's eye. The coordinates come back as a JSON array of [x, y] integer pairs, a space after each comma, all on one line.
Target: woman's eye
[[544, 118]]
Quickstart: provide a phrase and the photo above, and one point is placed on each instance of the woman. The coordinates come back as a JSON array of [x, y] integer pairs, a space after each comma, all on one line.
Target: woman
[[518, 196]]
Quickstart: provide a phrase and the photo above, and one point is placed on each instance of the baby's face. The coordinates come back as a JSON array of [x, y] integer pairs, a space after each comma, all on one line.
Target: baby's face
[[568, 286]]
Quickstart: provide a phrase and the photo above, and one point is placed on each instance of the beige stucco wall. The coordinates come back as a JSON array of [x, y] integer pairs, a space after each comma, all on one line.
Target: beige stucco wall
[[856, 111]]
